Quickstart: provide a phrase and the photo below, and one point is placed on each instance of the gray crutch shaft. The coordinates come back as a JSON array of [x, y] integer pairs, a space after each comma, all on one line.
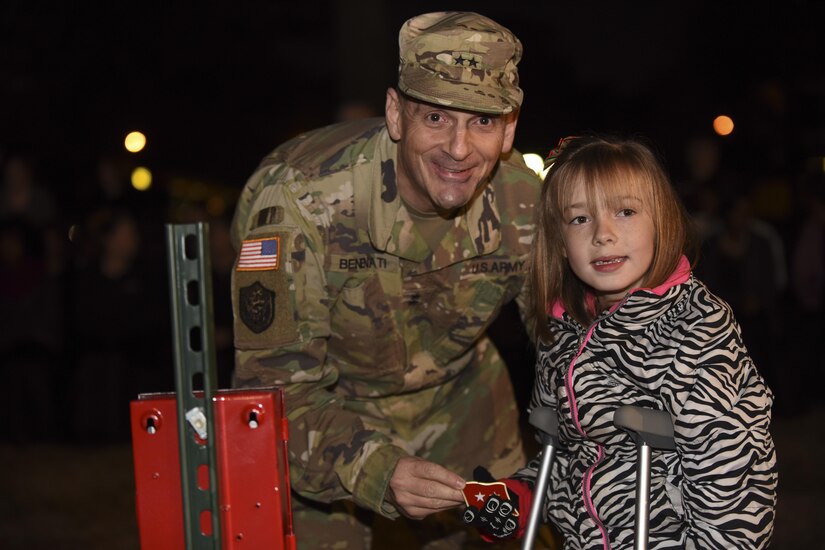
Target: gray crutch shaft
[[650, 429], [546, 421]]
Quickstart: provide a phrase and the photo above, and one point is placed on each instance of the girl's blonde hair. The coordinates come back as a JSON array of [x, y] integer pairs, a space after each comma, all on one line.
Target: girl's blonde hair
[[607, 167]]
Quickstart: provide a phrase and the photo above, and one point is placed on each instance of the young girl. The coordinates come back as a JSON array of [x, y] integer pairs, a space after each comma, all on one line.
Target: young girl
[[622, 321]]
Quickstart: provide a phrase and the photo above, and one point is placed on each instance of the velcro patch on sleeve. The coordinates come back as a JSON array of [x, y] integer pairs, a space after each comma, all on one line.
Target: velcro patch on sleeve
[[263, 310], [260, 254], [262, 301]]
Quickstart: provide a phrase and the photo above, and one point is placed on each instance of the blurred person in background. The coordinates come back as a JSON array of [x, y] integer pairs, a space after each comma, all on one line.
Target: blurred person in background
[[120, 326], [743, 261], [32, 265], [808, 287]]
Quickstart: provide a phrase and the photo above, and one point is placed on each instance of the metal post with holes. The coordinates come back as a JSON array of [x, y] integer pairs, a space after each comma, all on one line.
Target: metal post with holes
[[193, 328]]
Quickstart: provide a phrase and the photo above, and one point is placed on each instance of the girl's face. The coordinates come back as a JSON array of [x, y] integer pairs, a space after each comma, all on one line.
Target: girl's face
[[609, 245]]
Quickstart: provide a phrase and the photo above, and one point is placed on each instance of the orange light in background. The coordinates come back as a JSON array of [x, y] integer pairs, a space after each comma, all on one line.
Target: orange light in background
[[141, 178], [134, 142], [723, 125]]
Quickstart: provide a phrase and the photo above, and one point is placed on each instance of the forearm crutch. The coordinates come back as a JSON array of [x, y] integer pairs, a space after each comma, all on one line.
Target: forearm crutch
[[546, 421], [650, 429]]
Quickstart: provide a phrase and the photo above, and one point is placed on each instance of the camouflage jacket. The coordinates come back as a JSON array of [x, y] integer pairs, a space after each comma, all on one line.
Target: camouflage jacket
[[339, 299]]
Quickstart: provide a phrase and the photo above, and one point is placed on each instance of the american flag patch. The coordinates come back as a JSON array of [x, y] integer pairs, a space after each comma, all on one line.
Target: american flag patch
[[260, 254]]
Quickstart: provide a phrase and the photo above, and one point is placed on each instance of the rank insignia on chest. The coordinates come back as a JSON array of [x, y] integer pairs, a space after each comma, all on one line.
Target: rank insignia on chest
[[260, 255]]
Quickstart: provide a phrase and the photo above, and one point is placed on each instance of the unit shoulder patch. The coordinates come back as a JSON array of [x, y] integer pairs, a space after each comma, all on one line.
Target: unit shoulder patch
[[256, 306]]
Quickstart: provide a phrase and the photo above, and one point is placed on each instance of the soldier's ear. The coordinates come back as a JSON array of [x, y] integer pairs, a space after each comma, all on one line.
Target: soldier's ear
[[392, 112], [509, 132]]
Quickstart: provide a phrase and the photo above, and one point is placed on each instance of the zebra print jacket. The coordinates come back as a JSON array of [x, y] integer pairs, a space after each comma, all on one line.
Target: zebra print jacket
[[677, 348]]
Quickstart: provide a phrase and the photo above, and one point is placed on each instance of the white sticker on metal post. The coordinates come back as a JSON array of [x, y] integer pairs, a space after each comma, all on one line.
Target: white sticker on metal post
[[197, 420]]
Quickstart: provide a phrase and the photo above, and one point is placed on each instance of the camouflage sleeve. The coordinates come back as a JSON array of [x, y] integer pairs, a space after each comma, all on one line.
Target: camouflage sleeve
[[524, 304], [281, 310], [518, 193]]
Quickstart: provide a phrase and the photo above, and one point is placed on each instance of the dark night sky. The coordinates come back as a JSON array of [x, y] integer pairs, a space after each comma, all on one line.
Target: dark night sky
[[216, 87]]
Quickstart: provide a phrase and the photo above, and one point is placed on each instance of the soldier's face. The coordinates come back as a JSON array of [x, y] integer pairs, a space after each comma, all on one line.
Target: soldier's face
[[444, 154]]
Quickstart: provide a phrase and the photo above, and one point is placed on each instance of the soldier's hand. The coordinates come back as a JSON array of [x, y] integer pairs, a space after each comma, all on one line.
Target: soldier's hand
[[420, 488]]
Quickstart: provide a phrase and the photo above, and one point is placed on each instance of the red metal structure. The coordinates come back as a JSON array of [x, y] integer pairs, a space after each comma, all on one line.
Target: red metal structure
[[253, 479]]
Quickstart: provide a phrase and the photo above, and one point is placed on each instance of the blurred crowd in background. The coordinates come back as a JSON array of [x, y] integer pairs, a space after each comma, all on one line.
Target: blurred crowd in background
[[86, 315], [84, 294]]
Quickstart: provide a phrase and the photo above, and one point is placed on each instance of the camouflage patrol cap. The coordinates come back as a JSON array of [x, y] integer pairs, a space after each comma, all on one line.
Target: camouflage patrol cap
[[461, 60]]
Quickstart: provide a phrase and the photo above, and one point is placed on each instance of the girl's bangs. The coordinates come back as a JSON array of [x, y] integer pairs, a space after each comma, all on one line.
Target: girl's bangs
[[607, 184]]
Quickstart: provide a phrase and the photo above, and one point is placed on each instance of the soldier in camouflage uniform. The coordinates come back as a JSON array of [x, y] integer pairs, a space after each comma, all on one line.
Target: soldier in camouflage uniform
[[373, 256]]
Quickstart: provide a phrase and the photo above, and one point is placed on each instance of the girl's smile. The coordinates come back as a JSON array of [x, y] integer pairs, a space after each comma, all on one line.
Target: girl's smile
[[608, 264]]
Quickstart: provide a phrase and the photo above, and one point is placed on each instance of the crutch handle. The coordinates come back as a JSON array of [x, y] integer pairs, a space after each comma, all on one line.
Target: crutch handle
[[546, 422], [650, 429], [646, 426]]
